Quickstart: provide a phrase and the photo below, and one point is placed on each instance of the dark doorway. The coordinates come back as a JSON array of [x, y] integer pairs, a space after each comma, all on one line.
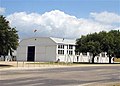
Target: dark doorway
[[31, 53]]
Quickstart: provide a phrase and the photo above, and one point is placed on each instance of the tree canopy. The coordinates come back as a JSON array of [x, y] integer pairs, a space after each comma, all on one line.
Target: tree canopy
[[8, 37], [100, 42], [89, 43], [115, 35]]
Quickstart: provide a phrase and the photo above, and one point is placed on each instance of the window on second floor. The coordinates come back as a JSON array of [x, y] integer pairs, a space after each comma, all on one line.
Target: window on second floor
[[61, 46], [70, 46]]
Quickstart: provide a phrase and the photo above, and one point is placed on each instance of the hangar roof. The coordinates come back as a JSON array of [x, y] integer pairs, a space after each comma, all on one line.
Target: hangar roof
[[63, 41], [55, 40]]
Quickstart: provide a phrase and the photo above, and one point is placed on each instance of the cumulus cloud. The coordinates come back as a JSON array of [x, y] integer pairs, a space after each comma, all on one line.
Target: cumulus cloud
[[106, 17], [54, 23], [2, 10]]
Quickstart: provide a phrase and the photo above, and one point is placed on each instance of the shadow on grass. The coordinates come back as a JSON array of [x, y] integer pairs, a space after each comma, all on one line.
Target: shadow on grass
[[5, 66]]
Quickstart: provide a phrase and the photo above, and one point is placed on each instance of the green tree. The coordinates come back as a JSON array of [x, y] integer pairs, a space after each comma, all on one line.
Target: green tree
[[110, 43], [102, 42], [116, 42], [89, 43], [107, 44], [8, 37]]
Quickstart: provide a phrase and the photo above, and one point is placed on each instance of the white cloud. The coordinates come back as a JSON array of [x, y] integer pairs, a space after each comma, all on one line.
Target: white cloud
[[106, 17], [2, 10], [54, 23]]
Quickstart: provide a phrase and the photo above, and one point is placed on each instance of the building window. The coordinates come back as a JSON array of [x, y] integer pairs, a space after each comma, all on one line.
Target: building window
[[61, 49], [61, 46], [67, 52], [70, 52], [61, 52], [70, 46], [67, 46], [70, 49]]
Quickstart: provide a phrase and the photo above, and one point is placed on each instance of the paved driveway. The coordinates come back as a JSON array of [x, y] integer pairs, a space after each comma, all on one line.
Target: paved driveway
[[68, 76]]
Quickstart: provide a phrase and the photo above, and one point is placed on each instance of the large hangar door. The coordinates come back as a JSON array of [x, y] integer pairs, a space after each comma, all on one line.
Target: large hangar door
[[31, 53]]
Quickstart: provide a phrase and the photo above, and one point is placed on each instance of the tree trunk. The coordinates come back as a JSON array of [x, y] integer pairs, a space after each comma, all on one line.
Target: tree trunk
[[110, 59], [93, 59], [4, 57]]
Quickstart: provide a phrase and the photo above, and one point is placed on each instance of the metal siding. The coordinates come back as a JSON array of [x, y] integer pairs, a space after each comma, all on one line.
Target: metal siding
[[40, 52]]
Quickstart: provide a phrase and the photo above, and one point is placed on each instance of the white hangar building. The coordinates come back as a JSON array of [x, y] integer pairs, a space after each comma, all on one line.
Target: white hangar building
[[46, 49]]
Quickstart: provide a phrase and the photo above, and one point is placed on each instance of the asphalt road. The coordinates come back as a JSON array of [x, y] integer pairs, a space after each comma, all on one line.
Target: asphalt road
[[69, 76]]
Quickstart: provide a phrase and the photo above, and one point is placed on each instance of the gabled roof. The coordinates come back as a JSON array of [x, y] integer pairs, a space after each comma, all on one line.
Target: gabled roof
[[55, 40], [63, 41]]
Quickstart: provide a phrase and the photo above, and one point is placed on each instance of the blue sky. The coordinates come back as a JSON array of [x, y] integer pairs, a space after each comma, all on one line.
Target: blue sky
[[61, 18], [78, 8]]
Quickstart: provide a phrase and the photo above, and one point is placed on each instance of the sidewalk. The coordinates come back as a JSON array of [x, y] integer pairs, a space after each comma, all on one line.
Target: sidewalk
[[38, 65]]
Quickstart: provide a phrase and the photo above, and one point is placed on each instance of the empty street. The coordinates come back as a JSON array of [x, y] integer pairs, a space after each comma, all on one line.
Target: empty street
[[62, 76]]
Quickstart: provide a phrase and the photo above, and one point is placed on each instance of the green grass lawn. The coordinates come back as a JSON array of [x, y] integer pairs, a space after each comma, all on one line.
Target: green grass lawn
[[50, 63]]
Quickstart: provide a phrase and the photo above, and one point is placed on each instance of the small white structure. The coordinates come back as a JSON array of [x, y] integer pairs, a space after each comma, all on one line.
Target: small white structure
[[53, 49], [9, 57]]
